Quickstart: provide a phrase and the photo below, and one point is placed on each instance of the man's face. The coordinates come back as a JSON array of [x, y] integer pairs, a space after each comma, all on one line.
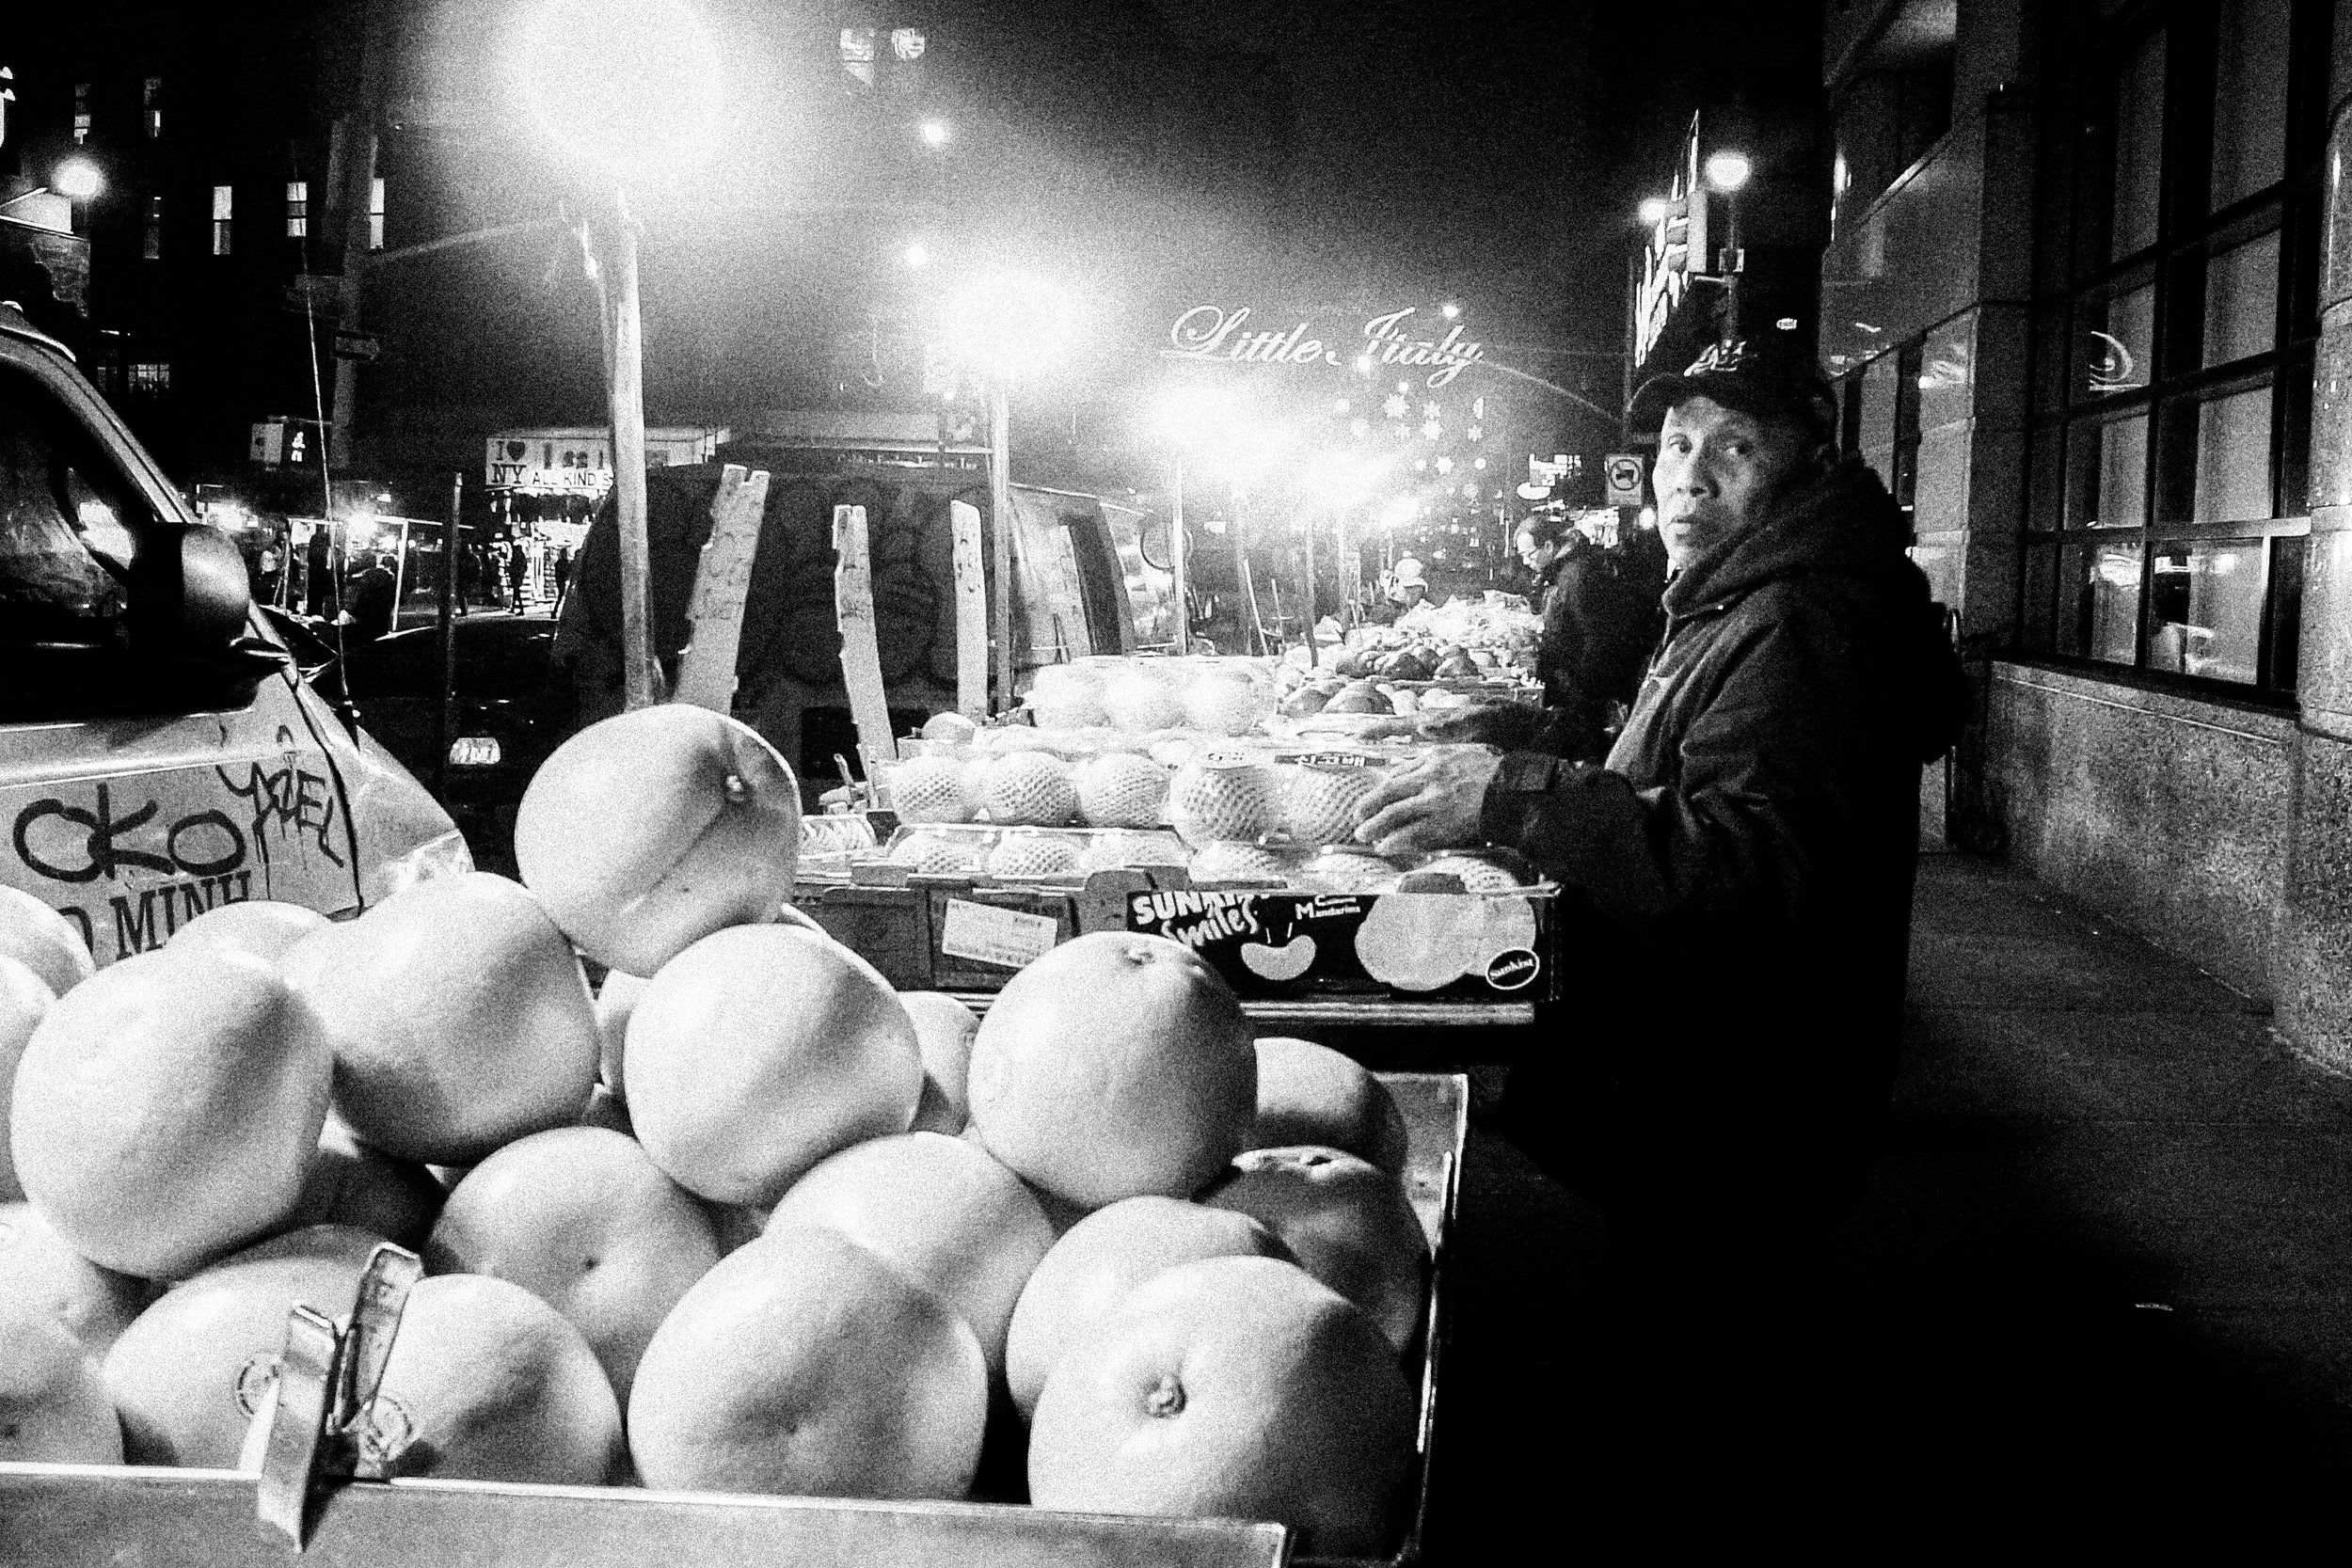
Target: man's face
[[1533, 555], [1718, 470]]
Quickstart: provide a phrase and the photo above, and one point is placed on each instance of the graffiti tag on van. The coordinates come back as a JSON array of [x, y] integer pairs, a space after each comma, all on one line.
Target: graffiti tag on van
[[290, 798], [74, 843]]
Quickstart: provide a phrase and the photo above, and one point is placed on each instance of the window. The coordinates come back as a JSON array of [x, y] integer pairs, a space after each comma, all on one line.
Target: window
[[375, 213], [224, 210], [150, 380], [81, 114], [2167, 511], [152, 106], [297, 209], [151, 233], [66, 527]]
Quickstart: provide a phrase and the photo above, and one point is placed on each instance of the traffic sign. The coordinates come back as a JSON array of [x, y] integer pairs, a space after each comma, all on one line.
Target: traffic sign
[[362, 346], [1623, 473]]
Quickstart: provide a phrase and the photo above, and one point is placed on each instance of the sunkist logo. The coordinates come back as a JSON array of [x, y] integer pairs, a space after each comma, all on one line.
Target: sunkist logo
[[1512, 969], [1209, 332]]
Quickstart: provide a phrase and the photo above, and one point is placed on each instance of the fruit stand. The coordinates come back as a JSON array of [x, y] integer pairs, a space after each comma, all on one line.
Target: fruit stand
[[92, 1516]]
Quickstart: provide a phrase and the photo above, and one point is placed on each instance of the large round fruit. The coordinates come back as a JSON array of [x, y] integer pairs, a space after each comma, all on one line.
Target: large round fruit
[[1224, 702], [1141, 699], [1113, 1065], [53, 1407], [1209, 802], [1348, 1221], [583, 1219], [42, 940], [648, 830], [760, 1050], [459, 1017], [1032, 789], [944, 1028], [1311, 1094], [188, 1375], [942, 1211], [264, 927], [367, 1189], [39, 1272], [167, 1110], [1066, 697], [1236, 1388], [930, 790], [486, 1382], [25, 1001], [1119, 789], [1102, 1258], [805, 1365]]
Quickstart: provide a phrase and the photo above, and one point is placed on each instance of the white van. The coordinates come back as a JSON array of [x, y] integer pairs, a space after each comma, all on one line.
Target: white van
[[159, 754]]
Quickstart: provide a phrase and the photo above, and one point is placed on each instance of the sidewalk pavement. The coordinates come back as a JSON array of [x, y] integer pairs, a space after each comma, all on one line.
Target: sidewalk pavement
[[2098, 1299]]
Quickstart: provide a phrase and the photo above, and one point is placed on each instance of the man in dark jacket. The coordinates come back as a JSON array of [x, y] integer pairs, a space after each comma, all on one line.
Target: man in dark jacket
[[1740, 874]]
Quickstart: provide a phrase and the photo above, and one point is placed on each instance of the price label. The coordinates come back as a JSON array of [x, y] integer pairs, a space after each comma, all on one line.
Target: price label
[[990, 935]]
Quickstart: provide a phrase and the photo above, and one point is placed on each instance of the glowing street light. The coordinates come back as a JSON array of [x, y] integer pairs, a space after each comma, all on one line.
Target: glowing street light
[[933, 132], [625, 93], [1727, 171], [627, 90], [1653, 211], [1449, 311], [915, 255], [77, 180]]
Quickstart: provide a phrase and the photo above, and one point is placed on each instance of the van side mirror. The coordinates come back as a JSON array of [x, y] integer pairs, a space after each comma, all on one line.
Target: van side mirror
[[188, 590]]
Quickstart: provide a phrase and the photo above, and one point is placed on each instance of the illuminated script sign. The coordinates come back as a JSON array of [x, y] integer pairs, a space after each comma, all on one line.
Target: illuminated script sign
[[1668, 259], [1209, 333]]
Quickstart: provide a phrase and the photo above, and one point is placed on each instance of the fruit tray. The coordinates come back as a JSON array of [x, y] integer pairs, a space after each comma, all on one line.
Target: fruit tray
[[99, 1517], [1431, 936]]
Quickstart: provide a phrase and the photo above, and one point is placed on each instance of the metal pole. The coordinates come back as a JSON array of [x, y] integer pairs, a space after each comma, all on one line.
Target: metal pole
[[1000, 531], [1176, 557], [1311, 592], [641, 676], [445, 707]]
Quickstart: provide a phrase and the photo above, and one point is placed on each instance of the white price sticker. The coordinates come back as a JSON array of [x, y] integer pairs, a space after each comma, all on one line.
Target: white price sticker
[[990, 935]]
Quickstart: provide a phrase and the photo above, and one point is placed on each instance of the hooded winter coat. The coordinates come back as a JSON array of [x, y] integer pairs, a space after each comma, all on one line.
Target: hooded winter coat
[[1742, 868]]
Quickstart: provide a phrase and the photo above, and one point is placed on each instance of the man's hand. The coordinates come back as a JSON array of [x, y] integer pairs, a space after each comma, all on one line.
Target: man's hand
[[1435, 804]]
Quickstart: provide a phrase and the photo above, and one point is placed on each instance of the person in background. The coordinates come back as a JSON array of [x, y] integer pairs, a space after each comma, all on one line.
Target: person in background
[[370, 600], [1403, 594], [562, 577], [1738, 881], [1601, 618], [518, 574]]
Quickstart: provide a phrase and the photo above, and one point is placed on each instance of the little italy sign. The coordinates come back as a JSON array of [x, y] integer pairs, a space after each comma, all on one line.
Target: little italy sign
[[1205, 332]]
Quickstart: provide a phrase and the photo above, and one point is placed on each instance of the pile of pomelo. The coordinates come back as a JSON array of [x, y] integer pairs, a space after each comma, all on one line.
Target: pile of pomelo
[[746, 1220]]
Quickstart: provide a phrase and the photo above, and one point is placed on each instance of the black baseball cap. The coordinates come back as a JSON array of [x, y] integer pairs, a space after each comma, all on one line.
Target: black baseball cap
[[1778, 389]]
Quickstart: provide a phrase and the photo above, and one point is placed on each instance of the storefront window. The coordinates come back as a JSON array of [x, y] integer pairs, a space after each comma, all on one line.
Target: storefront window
[[2250, 98], [2242, 301], [2110, 488], [2118, 343], [2205, 607], [2233, 458], [2138, 148], [2106, 623], [2173, 366]]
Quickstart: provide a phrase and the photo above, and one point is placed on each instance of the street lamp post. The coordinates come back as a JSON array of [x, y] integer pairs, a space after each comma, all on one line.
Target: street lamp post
[[1176, 561], [625, 91]]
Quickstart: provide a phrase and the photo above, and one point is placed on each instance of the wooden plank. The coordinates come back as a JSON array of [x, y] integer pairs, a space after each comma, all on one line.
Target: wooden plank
[[723, 575], [861, 659], [640, 671], [93, 1517], [971, 611]]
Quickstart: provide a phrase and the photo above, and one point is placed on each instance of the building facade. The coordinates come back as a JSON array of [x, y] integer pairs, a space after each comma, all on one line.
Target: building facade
[[2085, 302]]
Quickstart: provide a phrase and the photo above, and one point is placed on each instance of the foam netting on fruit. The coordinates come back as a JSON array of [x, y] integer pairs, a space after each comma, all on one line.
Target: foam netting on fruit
[[981, 851]]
